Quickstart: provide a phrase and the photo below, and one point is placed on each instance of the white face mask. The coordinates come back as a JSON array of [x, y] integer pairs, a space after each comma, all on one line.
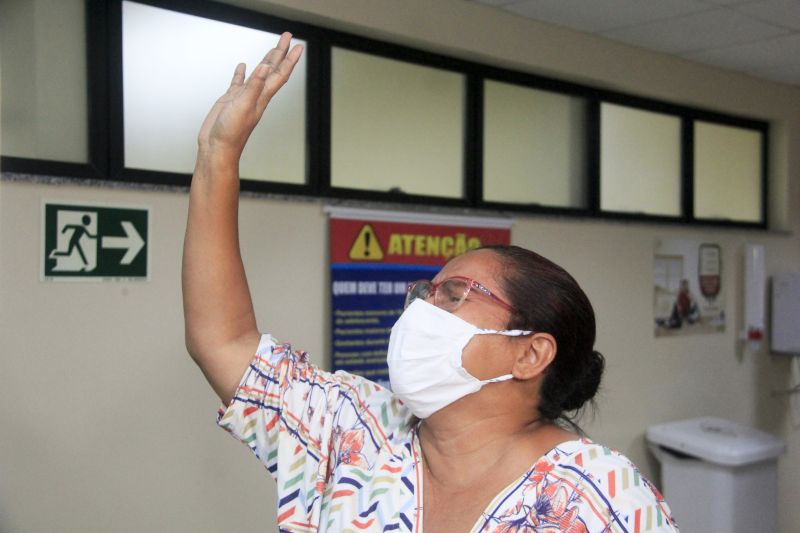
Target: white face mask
[[424, 357]]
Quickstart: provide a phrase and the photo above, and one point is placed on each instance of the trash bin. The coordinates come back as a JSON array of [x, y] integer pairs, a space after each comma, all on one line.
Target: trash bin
[[718, 475]]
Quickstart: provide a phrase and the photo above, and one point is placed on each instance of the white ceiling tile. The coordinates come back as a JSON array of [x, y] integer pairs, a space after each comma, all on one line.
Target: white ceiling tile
[[759, 37], [698, 31], [784, 13], [766, 54], [595, 16]]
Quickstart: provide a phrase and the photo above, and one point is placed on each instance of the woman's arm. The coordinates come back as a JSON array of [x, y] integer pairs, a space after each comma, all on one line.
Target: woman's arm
[[221, 331]]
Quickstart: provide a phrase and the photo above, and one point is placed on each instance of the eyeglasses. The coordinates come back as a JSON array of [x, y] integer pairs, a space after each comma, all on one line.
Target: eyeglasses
[[450, 293]]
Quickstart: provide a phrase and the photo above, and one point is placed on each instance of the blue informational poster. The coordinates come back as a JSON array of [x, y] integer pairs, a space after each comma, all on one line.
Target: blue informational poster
[[366, 302], [372, 264]]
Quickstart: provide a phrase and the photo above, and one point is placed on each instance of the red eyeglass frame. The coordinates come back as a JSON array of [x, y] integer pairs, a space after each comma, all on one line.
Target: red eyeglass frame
[[471, 284]]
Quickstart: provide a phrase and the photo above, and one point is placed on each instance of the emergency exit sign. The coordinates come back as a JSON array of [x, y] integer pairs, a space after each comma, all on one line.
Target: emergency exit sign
[[94, 242]]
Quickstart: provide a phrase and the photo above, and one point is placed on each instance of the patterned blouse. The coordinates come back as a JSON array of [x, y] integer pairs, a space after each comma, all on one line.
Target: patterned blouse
[[346, 457]]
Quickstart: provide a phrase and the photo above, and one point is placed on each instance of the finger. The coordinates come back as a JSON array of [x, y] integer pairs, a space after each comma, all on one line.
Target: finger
[[255, 83], [238, 75], [285, 68], [291, 60], [236, 81], [270, 62], [273, 58], [280, 75], [276, 55]]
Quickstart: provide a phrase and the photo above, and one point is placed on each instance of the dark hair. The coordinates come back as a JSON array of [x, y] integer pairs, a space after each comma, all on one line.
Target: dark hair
[[547, 299]]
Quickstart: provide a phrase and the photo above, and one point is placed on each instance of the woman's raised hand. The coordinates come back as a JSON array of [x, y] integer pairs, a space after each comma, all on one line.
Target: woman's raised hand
[[235, 114], [221, 329]]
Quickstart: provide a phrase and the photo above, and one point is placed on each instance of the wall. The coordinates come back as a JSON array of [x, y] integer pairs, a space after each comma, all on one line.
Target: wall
[[108, 426]]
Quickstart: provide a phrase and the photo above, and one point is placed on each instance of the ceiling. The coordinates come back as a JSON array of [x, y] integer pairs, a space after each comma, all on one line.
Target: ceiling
[[758, 37]]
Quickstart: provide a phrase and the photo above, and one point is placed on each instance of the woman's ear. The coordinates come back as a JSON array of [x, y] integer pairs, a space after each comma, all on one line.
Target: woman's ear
[[532, 361]]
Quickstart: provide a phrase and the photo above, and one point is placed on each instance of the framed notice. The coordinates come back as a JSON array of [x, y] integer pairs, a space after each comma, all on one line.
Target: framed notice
[[688, 297]]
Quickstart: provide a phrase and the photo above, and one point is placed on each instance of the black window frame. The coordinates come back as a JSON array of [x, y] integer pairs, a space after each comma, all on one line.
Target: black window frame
[[591, 170], [686, 163], [759, 126], [96, 168], [106, 127], [335, 39], [232, 15]]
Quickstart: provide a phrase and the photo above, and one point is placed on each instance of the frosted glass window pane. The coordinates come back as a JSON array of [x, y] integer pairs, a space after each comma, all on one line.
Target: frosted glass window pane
[[175, 66], [396, 125], [640, 161], [44, 99], [534, 147], [727, 172]]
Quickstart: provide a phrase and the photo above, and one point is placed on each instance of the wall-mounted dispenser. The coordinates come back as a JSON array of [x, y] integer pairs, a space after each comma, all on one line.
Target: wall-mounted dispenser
[[785, 333], [785, 323], [755, 282]]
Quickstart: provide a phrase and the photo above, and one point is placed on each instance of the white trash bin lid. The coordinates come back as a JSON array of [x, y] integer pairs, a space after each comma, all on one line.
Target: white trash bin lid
[[716, 440]]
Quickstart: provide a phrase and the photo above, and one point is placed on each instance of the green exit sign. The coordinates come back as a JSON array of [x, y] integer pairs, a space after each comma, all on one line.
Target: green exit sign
[[94, 242]]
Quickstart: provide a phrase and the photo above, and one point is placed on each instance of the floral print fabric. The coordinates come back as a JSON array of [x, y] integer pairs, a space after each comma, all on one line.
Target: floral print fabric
[[345, 455], [578, 487]]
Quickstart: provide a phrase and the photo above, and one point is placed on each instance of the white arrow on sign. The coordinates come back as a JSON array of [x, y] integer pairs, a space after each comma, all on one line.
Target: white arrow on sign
[[132, 241]]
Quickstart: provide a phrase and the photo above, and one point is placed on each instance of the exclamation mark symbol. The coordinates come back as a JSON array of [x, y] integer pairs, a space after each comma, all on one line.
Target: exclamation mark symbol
[[366, 245]]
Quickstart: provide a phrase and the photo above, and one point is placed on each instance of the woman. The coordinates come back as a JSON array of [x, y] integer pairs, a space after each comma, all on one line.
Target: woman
[[483, 362]]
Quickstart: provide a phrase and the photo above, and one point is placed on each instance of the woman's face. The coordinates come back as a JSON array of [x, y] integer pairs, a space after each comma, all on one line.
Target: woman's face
[[479, 309], [481, 357]]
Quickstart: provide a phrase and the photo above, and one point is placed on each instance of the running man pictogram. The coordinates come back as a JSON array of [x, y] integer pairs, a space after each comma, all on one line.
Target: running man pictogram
[[77, 242]]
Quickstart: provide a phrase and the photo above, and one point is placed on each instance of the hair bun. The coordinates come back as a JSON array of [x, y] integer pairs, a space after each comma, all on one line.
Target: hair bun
[[586, 382]]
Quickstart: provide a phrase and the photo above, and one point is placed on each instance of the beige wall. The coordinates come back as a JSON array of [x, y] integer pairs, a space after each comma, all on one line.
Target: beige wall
[[107, 426]]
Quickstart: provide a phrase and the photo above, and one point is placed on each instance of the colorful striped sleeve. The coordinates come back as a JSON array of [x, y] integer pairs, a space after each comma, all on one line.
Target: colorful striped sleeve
[[299, 421], [281, 395]]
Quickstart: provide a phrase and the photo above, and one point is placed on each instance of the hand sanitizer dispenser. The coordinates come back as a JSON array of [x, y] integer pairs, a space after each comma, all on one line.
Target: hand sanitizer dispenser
[[785, 334], [755, 281]]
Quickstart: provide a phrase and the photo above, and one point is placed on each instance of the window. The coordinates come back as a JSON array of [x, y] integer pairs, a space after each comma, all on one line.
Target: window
[[727, 172], [640, 161], [396, 126], [360, 119], [533, 146], [40, 42], [161, 120]]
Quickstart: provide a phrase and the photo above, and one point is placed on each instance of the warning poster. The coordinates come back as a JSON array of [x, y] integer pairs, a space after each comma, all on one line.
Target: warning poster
[[374, 256]]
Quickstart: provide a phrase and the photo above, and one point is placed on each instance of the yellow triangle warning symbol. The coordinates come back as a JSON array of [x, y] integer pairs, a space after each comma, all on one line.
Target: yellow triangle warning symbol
[[366, 246]]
